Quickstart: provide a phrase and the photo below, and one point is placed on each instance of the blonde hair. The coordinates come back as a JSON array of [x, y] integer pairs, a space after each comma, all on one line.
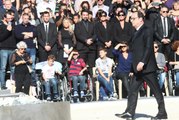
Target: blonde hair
[[70, 29]]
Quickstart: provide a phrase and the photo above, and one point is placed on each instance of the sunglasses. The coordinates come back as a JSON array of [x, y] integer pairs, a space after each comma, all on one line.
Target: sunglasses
[[121, 15], [23, 49], [155, 46], [165, 11]]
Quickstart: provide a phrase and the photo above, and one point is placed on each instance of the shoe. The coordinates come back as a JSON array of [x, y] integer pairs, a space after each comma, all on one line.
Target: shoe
[[112, 98], [105, 98], [75, 94], [159, 117], [57, 97], [82, 94], [3, 88], [126, 115], [48, 98]]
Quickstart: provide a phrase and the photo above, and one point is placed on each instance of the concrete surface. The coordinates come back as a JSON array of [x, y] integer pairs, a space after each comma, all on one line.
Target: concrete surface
[[106, 110]]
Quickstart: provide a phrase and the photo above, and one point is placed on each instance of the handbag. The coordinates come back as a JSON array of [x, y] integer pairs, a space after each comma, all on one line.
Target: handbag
[[29, 68]]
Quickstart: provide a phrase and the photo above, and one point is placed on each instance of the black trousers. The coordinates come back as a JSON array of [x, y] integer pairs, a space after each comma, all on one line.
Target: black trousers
[[23, 79], [89, 57], [43, 55], [151, 80]]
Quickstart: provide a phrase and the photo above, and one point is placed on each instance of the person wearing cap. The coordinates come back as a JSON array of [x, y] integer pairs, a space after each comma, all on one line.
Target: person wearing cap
[[76, 72]]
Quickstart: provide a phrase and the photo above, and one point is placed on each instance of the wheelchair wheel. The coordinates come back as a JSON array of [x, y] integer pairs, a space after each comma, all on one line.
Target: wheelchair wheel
[[68, 98], [89, 98], [65, 88], [170, 83]]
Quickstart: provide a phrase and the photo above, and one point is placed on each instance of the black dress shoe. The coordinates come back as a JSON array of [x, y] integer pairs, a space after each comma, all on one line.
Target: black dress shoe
[[3, 88], [126, 115], [159, 117]]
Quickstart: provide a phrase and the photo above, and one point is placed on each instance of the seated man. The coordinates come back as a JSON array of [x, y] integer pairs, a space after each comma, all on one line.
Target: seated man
[[76, 72], [104, 67], [49, 71]]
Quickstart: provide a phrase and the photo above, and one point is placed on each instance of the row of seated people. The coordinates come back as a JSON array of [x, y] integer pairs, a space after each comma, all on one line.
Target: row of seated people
[[21, 61]]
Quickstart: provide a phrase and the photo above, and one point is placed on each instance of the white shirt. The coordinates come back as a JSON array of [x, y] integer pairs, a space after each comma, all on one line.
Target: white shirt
[[104, 64], [96, 8], [166, 25]]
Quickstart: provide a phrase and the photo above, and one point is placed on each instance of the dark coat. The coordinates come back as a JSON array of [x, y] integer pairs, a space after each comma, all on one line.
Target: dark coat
[[52, 37], [143, 51]]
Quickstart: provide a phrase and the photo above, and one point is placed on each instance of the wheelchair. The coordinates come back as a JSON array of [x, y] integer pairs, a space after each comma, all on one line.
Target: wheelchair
[[88, 92], [61, 80]]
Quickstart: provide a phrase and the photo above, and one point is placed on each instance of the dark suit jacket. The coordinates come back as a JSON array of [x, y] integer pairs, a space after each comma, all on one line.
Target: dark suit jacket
[[52, 36], [124, 34], [142, 49], [158, 29], [103, 34], [82, 34]]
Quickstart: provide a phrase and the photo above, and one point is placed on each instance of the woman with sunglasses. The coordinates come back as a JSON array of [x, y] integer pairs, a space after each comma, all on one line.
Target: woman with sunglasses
[[21, 60], [124, 62], [104, 33], [161, 62]]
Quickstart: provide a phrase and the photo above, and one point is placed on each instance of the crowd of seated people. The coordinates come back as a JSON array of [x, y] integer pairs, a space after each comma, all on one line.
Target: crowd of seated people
[[58, 27]]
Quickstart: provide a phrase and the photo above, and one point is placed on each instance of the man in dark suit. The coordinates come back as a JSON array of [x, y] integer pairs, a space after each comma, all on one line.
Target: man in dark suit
[[47, 38], [144, 67], [164, 28], [86, 39]]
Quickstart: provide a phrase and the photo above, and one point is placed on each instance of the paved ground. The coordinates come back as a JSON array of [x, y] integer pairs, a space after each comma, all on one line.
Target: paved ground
[[106, 110]]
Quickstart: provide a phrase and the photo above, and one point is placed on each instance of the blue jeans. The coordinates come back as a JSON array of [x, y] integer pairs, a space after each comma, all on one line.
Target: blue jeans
[[4, 59], [48, 83], [161, 77], [177, 78], [106, 88], [77, 79]]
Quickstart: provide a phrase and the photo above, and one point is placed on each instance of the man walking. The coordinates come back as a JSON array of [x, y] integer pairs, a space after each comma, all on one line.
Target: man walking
[[144, 68]]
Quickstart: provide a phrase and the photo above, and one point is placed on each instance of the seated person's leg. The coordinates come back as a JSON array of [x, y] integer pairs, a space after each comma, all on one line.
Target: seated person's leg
[[161, 79], [55, 88], [102, 93], [82, 84], [75, 85], [177, 78], [47, 90], [105, 83]]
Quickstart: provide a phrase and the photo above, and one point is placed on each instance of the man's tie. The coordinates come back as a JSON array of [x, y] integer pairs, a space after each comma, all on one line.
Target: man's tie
[[46, 34], [164, 27]]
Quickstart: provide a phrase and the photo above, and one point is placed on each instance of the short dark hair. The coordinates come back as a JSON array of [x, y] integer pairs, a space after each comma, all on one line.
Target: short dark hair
[[140, 15], [102, 49], [46, 12], [9, 12], [87, 11], [51, 57]]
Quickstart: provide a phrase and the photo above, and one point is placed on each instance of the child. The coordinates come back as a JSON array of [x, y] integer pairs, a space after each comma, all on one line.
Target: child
[[77, 67], [48, 72]]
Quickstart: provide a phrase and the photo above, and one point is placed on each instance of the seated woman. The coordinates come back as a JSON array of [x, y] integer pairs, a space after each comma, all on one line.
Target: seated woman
[[76, 72], [160, 58], [174, 59], [124, 60], [48, 74], [104, 68], [21, 60]]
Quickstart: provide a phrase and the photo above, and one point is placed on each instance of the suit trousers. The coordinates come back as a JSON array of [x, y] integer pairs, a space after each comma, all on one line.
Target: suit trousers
[[151, 80]]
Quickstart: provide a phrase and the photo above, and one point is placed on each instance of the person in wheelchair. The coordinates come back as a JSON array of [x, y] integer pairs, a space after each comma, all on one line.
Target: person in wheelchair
[[48, 74], [76, 72], [161, 62], [104, 68]]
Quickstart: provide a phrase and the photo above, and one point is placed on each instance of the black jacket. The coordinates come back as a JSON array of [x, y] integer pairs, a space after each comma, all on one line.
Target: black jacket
[[7, 39], [142, 49]]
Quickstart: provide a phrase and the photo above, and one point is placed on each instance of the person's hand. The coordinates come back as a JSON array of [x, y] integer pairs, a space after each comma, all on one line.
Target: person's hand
[[22, 62], [140, 66], [9, 27], [89, 41], [81, 73], [131, 74], [47, 48], [165, 41]]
